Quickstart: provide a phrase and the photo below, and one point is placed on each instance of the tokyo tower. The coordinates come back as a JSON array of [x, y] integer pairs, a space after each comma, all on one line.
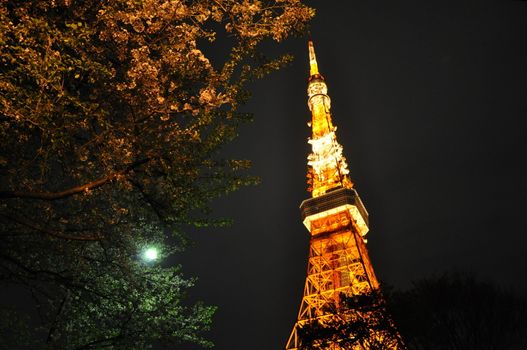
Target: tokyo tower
[[341, 289]]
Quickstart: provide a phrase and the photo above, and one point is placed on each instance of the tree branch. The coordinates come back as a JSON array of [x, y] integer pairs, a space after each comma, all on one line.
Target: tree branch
[[49, 196], [50, 232], [56, 319]]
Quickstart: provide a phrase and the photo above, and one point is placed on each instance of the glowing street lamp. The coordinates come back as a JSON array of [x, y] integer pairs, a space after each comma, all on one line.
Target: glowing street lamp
[[150, 254]]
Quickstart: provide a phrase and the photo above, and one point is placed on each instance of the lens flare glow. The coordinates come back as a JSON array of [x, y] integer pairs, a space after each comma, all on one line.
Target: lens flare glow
[[150, 254]]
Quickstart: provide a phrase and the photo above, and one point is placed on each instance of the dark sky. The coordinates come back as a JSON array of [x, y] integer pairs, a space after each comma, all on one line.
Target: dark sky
[[430, 103]]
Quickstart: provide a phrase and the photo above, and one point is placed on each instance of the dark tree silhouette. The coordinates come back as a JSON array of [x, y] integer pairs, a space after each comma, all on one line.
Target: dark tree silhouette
[[458, 312]]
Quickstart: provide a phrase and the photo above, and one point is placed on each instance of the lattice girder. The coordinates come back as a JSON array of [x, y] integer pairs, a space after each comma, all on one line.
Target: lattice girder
[[335, 267]]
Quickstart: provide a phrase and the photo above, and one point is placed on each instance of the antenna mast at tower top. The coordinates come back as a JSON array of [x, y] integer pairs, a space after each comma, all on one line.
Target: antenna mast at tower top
[[313, 65]]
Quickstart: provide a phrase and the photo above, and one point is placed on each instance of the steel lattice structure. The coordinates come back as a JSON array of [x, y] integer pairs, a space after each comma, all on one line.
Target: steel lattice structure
[[338, 265]]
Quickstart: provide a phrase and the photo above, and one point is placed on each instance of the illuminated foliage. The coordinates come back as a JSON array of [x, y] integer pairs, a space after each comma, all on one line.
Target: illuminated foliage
[[359, 322], [112, 116]]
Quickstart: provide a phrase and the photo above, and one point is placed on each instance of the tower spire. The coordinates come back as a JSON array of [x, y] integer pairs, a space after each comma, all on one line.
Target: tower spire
[[327, 166], [313, 66]]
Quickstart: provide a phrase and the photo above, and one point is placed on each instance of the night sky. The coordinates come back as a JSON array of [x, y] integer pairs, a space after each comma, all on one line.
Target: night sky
[[430, 101]]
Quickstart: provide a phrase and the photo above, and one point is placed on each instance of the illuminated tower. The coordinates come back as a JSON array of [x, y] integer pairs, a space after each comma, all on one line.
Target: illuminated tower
[[339, 267]]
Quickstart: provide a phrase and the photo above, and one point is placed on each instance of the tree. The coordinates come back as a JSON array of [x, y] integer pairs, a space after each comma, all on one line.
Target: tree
[[456, 311], [112, 118], [358, 322]]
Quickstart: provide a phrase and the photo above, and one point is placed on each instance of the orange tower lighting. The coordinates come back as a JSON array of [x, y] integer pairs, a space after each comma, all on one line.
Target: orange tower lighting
[[338, 265]]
